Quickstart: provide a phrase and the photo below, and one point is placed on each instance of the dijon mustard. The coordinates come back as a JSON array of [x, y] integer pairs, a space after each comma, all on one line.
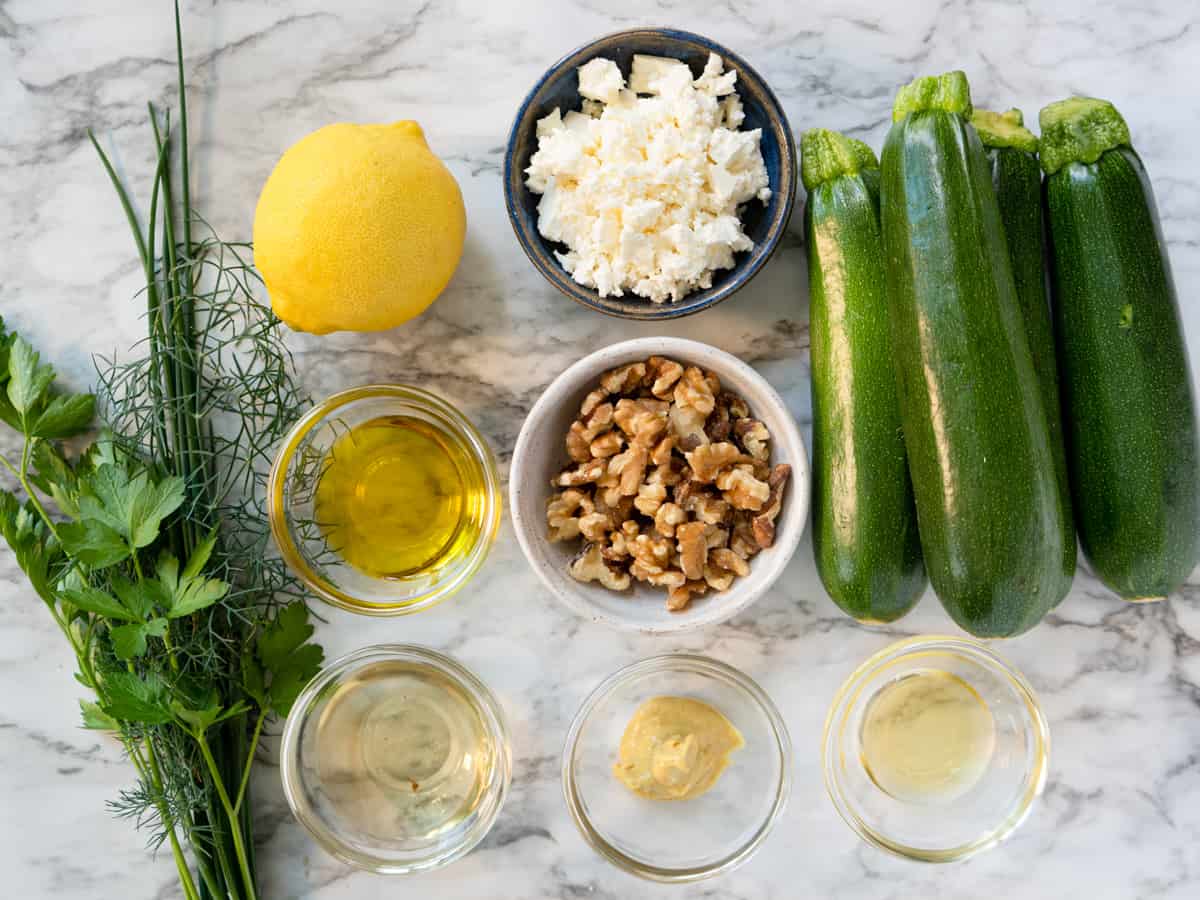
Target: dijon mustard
[[675, 748]]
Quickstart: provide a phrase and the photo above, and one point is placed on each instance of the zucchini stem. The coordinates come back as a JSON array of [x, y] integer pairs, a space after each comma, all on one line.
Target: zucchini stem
[[825, 155], [1079, 129], [949, 93]]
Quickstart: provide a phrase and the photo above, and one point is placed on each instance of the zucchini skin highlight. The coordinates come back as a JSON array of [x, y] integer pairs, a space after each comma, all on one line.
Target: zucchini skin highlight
[[1017, 178], [993, 532], [1127, 386], [865, 538]]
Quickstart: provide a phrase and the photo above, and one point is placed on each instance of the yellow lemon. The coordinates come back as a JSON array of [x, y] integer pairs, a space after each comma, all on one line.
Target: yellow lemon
[[358, 228]]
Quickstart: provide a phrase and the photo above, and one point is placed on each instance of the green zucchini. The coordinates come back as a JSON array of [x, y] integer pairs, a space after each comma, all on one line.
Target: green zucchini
[[1017, 178], [992, 528], [865, 540], [1127, 389]]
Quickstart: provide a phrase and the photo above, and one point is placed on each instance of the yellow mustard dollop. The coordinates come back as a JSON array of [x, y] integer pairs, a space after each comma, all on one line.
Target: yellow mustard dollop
[[675, 748]]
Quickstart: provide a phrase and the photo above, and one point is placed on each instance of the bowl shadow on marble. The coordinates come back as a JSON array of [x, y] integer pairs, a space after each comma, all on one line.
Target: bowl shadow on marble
[[539, 455], [559, 88]]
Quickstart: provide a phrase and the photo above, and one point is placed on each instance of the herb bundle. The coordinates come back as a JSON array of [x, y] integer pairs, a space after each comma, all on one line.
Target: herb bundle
[[155, 566]]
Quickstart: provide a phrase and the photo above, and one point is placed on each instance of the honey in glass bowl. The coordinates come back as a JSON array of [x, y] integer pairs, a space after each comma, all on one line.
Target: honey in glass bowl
[[935, 749], [927, 737]]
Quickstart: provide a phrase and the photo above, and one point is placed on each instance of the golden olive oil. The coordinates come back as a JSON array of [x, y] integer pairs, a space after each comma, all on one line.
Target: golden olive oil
[[395, 497], [927, 737], [404, 752]]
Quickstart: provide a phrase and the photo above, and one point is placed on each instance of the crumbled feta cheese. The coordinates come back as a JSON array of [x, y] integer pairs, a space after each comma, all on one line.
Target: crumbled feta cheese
[[648, 71], [734, 114], [712, 81], [644, 190], [600, 79]]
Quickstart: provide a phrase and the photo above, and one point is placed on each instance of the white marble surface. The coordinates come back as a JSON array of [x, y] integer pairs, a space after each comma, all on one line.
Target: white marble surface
[[1120, 817]]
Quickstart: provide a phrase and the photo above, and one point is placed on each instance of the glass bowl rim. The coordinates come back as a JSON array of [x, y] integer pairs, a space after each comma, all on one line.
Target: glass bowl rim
[[278, 515], [847, 695], [481, 695], [697, 664]]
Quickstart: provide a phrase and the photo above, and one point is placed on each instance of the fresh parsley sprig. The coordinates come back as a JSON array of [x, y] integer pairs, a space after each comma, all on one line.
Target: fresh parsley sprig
[[150, 548], [129, 608]]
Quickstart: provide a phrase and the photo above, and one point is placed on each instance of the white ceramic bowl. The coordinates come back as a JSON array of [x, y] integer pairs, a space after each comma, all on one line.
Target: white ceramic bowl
[[540, 455]]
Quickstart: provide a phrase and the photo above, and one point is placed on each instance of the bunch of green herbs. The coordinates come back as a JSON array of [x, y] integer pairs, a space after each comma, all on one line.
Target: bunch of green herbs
[[149, 547]]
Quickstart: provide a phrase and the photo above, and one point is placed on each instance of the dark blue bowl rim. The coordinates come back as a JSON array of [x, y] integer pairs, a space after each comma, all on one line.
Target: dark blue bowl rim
[[558, 277]]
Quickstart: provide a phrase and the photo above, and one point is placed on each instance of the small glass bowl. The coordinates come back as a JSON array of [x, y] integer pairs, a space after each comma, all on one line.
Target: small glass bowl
[[688, 840], [957, 826], [297, 469], [313, 805]]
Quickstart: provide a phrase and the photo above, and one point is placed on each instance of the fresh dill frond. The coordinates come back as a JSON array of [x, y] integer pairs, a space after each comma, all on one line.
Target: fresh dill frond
[[245, 394], [186, 627]]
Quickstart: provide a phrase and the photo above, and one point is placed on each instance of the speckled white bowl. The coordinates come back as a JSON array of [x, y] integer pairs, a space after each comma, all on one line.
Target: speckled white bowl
[[540, 455]]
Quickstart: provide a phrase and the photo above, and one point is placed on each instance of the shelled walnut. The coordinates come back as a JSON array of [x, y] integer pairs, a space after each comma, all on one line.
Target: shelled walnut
[[669, 483]]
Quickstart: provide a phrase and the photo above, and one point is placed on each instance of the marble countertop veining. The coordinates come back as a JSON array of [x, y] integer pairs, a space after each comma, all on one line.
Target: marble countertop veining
[[1120, 817]]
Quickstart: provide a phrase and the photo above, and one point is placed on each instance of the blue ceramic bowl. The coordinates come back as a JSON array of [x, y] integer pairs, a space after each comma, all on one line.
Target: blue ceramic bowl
[[559, 87]]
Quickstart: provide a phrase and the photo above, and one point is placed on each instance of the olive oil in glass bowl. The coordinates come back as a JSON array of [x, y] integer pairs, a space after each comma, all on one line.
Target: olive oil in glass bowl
[[384, 499], [396, 759]]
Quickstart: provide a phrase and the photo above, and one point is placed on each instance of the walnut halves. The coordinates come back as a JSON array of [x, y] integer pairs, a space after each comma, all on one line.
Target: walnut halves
[[669, 483]]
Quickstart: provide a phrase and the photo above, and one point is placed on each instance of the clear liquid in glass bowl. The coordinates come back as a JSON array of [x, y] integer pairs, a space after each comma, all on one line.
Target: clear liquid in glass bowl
[[396, 759], [935, 749]]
